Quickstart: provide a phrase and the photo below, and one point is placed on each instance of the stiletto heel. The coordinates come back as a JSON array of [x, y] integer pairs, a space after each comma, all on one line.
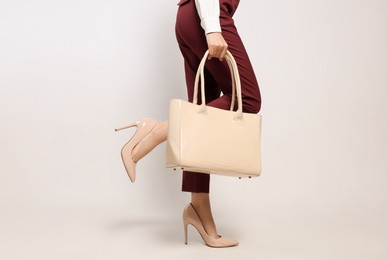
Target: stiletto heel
[[185, 231], [190, 216], [125, 127], [144, 127]]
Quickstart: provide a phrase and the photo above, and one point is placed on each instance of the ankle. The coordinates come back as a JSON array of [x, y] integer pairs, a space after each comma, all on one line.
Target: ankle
[[203, 210]]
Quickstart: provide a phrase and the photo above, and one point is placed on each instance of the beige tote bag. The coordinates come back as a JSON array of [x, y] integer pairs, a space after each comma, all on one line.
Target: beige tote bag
[[211, 140]]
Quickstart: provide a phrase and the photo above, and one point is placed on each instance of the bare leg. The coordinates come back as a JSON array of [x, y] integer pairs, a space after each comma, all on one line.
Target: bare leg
[[154, 138], [201, 203]]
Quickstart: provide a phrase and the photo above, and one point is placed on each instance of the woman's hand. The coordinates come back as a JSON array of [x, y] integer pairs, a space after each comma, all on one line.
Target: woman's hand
[[217, 46]]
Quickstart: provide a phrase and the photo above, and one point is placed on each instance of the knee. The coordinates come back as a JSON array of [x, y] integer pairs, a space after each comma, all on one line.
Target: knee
[[252, 105]]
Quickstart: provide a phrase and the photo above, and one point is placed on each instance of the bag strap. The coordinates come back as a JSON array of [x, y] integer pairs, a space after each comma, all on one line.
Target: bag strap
[[238, 88], [236, 84], [233, 90]]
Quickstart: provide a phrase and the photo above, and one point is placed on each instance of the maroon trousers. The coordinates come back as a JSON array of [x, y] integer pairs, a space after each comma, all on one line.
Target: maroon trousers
[[193, 45]]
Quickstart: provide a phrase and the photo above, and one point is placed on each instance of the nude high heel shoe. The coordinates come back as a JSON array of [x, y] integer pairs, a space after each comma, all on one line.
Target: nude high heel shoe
[[144, 127], [190, 216]]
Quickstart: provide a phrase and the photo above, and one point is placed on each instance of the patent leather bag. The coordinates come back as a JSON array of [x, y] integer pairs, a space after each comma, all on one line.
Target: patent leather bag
[[211, 140]]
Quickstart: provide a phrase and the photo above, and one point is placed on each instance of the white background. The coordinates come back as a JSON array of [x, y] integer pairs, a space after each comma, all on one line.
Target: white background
[[71, 71]]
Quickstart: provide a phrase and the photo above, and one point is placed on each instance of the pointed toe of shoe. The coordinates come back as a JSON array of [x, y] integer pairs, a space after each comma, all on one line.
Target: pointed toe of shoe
[[223, 242], [129, 164], [132, 173]]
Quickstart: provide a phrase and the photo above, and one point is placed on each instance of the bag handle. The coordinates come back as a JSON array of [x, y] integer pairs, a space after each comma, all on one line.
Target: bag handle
[[199, 73], [236, 84]]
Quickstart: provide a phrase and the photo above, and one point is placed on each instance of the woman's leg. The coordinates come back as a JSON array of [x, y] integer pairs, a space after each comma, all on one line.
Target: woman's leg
[[192, 43]]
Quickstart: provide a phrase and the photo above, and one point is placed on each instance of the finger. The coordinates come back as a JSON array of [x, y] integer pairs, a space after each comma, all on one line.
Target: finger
[[224, 51], [218, 51], [210, 52]]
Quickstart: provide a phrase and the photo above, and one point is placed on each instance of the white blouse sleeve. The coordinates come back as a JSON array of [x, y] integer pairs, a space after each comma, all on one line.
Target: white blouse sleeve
[[209, 11]]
